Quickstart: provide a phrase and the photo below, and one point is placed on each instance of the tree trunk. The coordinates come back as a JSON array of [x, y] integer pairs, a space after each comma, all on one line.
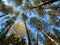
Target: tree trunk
[[55, 43], [37, 36], [29, 41]]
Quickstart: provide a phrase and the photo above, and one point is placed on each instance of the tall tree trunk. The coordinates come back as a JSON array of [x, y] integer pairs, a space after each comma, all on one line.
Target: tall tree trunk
[[55, 43], [0, 5], [37, 36], [6, 29], [29, 41]]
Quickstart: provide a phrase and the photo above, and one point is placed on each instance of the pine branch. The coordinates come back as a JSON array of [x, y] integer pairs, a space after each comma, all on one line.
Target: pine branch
[[50, 7], [43, 3]]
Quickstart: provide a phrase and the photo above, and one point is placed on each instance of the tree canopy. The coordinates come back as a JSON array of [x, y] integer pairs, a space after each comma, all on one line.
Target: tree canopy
[[29, 22]]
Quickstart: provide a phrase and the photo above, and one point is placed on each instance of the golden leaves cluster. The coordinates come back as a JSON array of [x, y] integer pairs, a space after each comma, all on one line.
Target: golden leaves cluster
[[19, 29]]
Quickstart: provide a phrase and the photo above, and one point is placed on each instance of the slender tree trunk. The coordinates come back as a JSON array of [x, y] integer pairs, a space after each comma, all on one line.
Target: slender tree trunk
[[0, 5], [6, 29], [55, 43], [37, 36], [29, 41]]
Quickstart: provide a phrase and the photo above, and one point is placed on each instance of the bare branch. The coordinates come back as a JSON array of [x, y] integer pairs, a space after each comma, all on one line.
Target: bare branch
[[43, 3], [50, 7]]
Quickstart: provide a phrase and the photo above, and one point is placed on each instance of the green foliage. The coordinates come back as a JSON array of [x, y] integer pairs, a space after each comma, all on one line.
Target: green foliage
[[16, 13], [52, 19], [17, 36], [36, 2], [27, 6], [39, 24], [40, 11], [23, 16], [18, 2], [8, 9], [34, 20], [52, 12]]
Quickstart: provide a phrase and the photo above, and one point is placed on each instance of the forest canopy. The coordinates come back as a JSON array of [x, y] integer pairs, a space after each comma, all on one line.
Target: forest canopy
[[29, 22]]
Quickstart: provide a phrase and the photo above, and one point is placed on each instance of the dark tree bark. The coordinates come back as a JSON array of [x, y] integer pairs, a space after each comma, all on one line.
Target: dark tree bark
[[37, 36], [29, 41], [55, 43], [44, 3]]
